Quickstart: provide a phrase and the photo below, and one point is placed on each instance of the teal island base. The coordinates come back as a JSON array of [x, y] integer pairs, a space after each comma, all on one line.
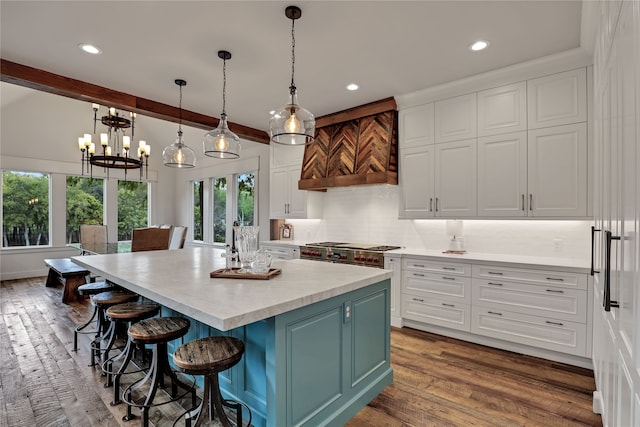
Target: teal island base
[[314, 366]]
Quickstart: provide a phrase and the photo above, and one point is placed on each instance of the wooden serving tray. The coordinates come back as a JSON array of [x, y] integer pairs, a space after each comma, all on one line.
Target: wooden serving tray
[[236, 274]]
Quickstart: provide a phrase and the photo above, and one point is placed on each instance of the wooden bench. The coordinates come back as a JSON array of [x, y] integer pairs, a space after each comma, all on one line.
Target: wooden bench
[[69, 274]]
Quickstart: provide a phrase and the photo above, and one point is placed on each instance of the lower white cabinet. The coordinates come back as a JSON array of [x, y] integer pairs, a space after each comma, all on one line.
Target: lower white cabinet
[[544, 309]]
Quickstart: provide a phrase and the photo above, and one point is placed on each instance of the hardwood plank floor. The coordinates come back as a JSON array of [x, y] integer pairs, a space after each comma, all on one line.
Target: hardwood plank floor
[[438, 381]]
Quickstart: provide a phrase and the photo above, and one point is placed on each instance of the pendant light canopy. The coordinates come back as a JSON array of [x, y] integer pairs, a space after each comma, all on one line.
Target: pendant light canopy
[[221, 142], [178, 155], [292, 124]]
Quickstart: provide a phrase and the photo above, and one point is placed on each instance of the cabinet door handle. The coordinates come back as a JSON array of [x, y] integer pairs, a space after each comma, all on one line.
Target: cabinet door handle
[[436, 204], [494, 312], [418, 299], [448, 278], [608, 303], [430, 204], [555, 291], [494, 284], [419, 265], [495, 273], [418, 274], [557, 279], [523, 202], [530, 201], [449, 268], [549, 322], [593, 239], [448, 305]]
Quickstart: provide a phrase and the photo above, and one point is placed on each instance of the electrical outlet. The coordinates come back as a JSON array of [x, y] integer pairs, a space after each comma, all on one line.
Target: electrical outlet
[[557, 245]]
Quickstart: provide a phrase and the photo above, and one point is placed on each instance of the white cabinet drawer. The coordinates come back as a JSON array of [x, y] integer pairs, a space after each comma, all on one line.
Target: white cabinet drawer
[[546, 301], [436, 312], [437, 285], [416, 264], [536, 277], [551, 334]]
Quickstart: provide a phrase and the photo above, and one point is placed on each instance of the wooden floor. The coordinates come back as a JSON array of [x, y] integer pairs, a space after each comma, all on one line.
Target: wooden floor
[[437, 381]]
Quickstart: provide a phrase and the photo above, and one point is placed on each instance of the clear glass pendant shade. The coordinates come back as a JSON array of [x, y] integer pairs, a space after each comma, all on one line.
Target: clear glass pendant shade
[[178, 155], [292, 124], [221, 142]]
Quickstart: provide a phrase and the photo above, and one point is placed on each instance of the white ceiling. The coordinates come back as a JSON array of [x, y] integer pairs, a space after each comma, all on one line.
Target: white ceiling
[[389, 48]]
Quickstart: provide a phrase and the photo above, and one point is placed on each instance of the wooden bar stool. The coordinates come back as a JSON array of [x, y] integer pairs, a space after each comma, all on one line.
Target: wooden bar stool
[[88, 290], [128, 312], [158, 332], [103, 301], [209, 356]]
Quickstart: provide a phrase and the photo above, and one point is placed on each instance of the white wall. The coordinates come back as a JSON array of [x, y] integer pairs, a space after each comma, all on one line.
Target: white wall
[[370, 215]]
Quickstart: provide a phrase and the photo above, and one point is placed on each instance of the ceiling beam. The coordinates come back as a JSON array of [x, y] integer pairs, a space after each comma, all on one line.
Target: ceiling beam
[[45, 81]]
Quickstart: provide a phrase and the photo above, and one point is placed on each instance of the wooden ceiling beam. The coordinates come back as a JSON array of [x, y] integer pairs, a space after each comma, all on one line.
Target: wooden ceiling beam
[[46, 81]]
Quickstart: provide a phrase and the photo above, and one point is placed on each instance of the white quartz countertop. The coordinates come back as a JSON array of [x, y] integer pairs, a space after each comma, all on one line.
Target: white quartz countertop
[[578, 265], [179, 279]]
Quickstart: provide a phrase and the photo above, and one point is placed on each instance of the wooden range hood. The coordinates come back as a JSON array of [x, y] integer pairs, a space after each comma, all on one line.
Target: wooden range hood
[[358, 146]]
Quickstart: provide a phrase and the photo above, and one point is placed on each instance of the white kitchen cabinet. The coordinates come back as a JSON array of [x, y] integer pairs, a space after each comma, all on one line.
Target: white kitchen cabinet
[[456, 118], [416, 126], [557, 171], [438, 181], [392, 262], [616, 308], [436, 312], [557, 99], [455, 180], [502, 109], [285, 199], [502, 175]]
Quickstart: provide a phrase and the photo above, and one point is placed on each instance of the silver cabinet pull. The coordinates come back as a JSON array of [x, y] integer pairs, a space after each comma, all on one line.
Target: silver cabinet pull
[[494, 312], [608, 302], [557, 279], [523, 202], [430, 204], [418, 274], [448, 305], [593, 239], [495, 273], [449, 268], [530, 202], [448, 278], [418, 299], [419, 265], [494, 284], [436, 204], [556, 291]]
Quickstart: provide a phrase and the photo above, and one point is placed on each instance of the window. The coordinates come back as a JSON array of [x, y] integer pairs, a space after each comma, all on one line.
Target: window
[[198, 199], [85, 204], [25, 209], [246, 198], [219, 209], [132, 207]]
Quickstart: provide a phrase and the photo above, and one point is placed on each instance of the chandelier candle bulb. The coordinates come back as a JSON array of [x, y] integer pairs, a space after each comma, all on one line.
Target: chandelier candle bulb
[[81, 143], [126, 142], [95, 106], [104, 139], [92, 148], [87, 139]]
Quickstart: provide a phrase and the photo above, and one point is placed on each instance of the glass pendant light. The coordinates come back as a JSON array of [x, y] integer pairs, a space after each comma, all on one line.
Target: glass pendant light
[[221, 142], [178, 155], [292, 124]]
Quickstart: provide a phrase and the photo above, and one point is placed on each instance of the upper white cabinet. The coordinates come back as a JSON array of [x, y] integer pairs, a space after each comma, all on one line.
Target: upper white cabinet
[[557, 171], [438, 180], [285, 199], [416, 126], [557, 99], [502, 175], [502, 109], [456, 118]]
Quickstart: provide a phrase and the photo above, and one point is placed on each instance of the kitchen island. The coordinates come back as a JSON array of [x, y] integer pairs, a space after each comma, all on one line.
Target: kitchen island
[[317, 336]]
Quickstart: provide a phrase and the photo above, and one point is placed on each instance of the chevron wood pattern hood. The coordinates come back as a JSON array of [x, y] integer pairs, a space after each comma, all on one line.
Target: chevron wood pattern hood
[[354, 147]]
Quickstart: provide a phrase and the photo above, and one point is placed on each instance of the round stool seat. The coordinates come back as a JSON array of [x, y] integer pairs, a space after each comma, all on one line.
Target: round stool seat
[[159, 329], [131, 311], [113, 297], [210, 354], [96, 288]]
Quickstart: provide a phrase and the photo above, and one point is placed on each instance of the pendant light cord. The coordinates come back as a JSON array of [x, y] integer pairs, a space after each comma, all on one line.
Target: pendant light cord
[[180, 113], [224, 87], [292, 88]]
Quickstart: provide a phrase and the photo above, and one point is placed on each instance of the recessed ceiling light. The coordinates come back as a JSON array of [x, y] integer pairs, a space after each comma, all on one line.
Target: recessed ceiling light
[[352, 86], [479, 45], [89, 48]]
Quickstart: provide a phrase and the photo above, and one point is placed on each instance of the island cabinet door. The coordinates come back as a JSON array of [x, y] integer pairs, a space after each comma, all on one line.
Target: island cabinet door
[[336, 357]]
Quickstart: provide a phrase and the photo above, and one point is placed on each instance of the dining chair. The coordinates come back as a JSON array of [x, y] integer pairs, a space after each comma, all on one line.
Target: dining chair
[[93, 236], [178, 236], [150, 239]]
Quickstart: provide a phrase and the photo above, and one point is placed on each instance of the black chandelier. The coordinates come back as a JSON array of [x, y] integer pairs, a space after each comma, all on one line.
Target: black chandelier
[[116, 146]]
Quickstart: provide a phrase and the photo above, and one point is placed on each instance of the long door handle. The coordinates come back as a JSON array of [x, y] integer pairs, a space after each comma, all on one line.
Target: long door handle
[[608, 303], [530, 201], [593, 255], [522, 202]]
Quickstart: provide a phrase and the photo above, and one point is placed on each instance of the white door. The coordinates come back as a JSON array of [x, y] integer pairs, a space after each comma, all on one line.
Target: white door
[[416, 167], [278, 192], [502, 175], [455, 180]]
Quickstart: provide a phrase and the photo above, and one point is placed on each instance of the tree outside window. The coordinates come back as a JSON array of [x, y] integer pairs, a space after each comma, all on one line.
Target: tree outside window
[[246, 198], [219, 209], [25, 209], [198, 197], [85, 204], [132, 207]]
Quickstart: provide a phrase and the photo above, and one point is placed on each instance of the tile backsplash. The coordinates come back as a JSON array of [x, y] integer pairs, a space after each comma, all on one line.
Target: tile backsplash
[[369, 214]]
